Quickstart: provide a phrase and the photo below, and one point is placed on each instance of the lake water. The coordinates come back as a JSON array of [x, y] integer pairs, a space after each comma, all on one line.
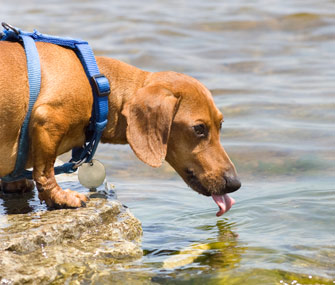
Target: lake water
[[270, 66]]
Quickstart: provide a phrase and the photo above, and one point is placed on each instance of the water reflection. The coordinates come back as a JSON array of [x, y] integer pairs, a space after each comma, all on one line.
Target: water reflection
[[226, 251], [199, 260], [16, 203]]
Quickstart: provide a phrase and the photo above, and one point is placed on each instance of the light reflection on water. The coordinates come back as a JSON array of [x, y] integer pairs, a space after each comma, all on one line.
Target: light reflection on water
[[270, 66]]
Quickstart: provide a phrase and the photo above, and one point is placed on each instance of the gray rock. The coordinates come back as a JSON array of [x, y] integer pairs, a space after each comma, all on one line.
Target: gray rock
[[49, 246]]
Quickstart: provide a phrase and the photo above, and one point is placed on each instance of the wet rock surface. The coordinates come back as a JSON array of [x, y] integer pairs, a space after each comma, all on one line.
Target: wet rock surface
[[43, 247]]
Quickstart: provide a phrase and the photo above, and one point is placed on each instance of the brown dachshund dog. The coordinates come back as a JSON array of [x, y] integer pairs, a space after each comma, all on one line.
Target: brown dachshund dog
[[162, 115]]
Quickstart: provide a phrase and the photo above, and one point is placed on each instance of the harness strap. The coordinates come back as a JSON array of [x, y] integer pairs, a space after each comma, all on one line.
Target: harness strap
[[100, 90], [34, 78]]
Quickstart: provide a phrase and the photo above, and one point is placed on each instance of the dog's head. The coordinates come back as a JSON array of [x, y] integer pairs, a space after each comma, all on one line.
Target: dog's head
[[174, 118]]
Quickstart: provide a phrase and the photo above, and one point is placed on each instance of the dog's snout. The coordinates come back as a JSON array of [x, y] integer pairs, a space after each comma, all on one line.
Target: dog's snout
[[232, 184]]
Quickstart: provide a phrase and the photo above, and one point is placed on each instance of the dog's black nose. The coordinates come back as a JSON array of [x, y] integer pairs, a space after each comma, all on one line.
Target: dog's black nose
[[232, 184]]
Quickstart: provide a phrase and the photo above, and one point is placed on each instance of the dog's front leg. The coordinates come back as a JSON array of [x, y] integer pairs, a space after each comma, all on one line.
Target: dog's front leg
[[46, 137]]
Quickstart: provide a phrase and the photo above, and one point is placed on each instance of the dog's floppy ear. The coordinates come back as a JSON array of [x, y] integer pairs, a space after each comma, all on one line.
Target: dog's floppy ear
[[149, 117]]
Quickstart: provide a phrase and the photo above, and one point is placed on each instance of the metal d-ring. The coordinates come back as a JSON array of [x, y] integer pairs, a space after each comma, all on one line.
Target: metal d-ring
[[10, 27]]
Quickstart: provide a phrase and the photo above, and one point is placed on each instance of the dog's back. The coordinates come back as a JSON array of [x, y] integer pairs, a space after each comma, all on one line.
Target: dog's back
[[60, 70]]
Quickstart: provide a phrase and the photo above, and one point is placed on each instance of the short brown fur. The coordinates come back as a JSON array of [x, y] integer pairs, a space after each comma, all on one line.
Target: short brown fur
[[154, 112]]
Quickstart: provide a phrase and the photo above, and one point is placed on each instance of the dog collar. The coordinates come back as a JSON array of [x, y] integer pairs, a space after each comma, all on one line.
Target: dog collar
[[100, 90]]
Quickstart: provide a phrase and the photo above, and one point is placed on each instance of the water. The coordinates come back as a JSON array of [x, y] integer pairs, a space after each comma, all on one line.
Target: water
[[271, 68]]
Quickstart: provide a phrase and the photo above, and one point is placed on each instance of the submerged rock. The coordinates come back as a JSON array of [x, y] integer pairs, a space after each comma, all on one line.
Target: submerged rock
[[46, 246]]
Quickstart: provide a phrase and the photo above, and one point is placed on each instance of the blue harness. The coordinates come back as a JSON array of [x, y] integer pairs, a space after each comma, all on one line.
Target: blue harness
[[100, 90]]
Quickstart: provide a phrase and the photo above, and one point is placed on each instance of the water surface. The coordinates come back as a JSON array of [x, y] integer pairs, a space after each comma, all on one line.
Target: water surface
[[270, 66]]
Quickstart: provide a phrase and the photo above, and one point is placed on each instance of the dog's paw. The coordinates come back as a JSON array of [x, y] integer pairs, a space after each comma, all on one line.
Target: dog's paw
[[19, 186], [61, 199]]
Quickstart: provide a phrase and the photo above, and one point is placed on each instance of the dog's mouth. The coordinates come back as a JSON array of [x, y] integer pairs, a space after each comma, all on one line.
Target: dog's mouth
[[193, 181], [224, 201]]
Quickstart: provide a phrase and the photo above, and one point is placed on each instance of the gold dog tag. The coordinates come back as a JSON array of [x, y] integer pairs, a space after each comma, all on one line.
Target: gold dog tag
[[92, 174]]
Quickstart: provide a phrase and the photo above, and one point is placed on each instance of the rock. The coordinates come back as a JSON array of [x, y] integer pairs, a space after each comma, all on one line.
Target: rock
[[46, 246]]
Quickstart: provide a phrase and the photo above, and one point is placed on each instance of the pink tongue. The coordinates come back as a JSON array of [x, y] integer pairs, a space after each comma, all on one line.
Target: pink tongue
[[224, 202]]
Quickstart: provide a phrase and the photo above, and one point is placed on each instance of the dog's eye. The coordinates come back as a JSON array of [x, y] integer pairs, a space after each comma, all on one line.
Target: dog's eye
[[200, 130]]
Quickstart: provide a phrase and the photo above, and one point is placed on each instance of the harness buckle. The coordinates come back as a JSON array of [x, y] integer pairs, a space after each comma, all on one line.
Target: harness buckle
[[10, 27], [101, 85], [78, 164]]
